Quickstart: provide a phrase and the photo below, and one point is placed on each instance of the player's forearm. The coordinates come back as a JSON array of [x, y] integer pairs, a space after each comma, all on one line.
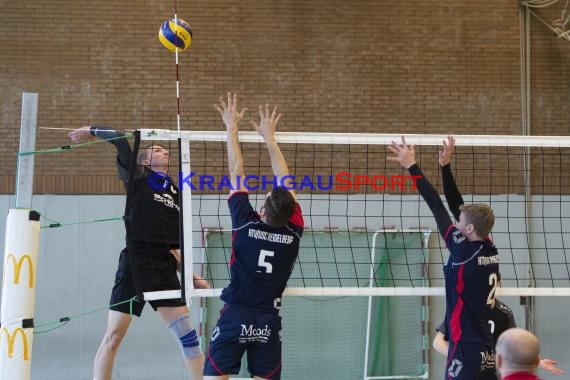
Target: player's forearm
[[124, 151], [107, 133], [235, 157], [278, 163], [452, 194], [432, 198], [117, 138]]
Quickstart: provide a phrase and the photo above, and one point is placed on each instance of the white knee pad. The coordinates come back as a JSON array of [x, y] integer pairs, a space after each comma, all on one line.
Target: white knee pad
[[186, 336]]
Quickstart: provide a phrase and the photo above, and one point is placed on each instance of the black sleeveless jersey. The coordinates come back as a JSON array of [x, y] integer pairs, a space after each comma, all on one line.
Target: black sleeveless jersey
[[152, 209], [152, 212]]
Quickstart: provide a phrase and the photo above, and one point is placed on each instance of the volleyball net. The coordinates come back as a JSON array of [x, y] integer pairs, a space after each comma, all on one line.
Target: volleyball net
[[345, 184], [369, 239], [370, 255]]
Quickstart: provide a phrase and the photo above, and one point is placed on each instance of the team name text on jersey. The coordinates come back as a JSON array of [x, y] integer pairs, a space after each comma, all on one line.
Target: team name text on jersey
[[264, 235]]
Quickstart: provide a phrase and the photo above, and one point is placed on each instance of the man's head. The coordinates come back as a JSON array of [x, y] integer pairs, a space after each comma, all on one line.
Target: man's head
[[517, 351], [154, 156], [278, 208], [476, 221]]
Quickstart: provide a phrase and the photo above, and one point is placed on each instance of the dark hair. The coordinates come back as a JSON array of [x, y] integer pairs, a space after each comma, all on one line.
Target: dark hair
[[279, 206]]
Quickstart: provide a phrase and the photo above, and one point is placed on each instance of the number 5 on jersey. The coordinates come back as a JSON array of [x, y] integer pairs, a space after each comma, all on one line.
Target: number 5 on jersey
[[262, 263]]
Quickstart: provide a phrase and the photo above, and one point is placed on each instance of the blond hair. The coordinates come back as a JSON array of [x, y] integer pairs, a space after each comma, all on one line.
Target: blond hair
[[480, 216]]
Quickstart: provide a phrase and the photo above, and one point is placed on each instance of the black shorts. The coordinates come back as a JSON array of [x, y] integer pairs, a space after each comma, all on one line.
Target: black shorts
[[155, 270], [470, 361], [240, 329]]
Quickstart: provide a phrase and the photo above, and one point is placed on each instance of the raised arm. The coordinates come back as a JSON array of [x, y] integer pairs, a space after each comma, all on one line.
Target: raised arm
[[115, 137], [405, 155], [231, 118], [452, 194], [266, 128]]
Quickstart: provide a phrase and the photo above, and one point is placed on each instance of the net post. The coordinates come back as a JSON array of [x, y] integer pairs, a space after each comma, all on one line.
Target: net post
[[186, 234], [369, 311], [25, 172], [524, 19], [21, 252]]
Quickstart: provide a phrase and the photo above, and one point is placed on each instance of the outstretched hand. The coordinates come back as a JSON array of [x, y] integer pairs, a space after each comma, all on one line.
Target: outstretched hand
[[80, 133], [268, 122], [229, 112], [405, 154], [447, 151], [550, 366]]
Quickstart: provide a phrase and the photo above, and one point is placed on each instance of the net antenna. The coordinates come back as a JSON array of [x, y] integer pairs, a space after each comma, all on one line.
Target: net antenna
[[186, 194], [559, 26], [176, 26]]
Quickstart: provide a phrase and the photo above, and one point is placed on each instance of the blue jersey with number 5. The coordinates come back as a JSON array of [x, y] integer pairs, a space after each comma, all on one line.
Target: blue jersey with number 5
[[471, 277], [262, 258]]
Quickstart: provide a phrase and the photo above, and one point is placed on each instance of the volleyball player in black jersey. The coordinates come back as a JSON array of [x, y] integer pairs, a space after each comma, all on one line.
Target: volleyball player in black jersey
[[152, 221], [501, 319]]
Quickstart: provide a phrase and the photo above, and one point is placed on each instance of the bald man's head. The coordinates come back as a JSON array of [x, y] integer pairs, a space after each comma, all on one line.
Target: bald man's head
[[517, 351]]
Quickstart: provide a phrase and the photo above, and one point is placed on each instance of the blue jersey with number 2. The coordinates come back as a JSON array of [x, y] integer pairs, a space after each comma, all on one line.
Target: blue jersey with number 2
[[471, 278], [262, 258]]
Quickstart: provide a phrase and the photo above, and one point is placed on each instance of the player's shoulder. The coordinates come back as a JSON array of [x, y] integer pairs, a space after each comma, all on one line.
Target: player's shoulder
[[297, 221], [459, 246], [238, 200], [502, 307], [455, 235], [489, 246], [295, 229], [238, 195]]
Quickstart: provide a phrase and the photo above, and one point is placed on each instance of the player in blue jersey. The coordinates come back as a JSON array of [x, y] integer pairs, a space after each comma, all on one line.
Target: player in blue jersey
[[264, 250], [471, 271]]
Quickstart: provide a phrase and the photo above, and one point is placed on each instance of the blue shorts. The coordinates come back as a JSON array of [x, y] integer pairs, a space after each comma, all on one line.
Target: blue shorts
[[240, 329], [470, 361]]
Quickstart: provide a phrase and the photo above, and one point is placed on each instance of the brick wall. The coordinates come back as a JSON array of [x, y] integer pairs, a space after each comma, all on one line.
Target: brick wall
[[332, 66]]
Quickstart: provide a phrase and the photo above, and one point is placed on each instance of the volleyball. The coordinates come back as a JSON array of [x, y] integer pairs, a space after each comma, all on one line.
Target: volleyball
[[174, 35]]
